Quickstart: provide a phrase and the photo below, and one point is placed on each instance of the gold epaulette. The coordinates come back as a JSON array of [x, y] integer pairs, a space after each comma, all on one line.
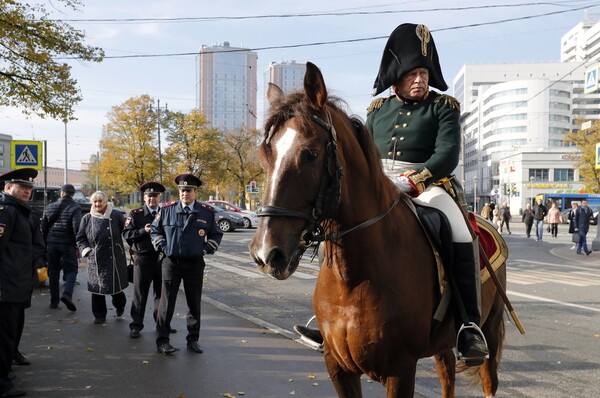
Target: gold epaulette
[[375, 104], [448, 101]]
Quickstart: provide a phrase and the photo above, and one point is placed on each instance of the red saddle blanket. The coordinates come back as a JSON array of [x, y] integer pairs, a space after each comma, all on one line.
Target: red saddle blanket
[[493, 244]]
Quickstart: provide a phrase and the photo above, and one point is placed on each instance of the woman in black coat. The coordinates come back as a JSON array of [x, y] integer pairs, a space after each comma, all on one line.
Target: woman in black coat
[[100, 242]]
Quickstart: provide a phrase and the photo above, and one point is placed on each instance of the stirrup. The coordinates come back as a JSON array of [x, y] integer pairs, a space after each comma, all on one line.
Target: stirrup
[[470, 361], [308, 341]]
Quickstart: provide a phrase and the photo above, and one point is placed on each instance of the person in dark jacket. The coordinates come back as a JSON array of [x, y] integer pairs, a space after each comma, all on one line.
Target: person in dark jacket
[[539, 212], [60, 224], [527, 219], [571, 218], [100, 242], [583, 215], [17, 259], [184, 230], [146, 269]]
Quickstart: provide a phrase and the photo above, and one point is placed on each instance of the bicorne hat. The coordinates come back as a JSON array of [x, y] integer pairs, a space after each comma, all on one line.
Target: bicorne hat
[[152, 188], [409, 46], [25, 176], [187, 181]]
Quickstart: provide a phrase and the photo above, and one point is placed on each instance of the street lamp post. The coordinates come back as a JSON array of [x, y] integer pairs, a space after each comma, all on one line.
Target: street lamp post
[[531, 181], [160, 168], [475, 193]]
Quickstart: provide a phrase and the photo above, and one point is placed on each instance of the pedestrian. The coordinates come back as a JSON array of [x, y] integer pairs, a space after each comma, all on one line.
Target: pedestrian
[[184, 230], [497, 216], [17, 261], [571, 218], [506, 217], [539, 212], [582, 224], [60, 224], [100, 242], [485, 211], [554, 218], [146, 268], [527, 219]]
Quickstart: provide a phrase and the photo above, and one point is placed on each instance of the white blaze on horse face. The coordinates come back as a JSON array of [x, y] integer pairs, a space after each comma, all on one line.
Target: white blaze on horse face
[[282, 148]]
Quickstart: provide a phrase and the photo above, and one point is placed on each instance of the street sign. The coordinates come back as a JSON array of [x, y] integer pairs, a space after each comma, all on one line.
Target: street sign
[[591, 80], [598, 155], [26, 154]]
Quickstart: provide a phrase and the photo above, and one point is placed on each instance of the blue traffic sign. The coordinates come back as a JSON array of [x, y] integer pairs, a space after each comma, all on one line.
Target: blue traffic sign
[[26, 154]]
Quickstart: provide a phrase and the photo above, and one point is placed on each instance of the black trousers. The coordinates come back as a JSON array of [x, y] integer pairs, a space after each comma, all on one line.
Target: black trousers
[[146, 271], [528, 229], [9, 329], [191, 271], [99, 303]]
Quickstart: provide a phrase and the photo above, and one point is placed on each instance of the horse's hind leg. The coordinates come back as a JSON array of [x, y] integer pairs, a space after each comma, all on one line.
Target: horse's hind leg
[[445, 364], [347, 385], [493, 329]]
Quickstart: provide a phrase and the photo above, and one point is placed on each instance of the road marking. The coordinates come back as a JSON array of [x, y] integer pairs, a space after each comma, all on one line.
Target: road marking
[[248, 261], [236, 270], [538, 298], [540, 275]]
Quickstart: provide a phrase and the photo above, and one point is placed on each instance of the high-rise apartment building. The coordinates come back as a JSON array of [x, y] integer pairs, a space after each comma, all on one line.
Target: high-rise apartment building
[[226, 88], [582, 43], [287, 75]]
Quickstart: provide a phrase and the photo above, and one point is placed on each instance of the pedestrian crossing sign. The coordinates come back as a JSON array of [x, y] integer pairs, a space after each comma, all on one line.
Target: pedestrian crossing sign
[[26, 154], [598, 155], [591, 80]]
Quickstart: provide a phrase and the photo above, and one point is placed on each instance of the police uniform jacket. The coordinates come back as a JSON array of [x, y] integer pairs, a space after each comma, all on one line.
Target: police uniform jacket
[[426, 132], [16, 250], [182, 237], [135, 232]]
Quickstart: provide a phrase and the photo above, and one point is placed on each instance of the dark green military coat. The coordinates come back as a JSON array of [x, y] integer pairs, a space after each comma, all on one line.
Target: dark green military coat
[[425, 132]]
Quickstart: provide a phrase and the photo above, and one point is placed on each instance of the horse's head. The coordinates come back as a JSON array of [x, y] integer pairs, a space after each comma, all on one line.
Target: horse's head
[[299, 156]]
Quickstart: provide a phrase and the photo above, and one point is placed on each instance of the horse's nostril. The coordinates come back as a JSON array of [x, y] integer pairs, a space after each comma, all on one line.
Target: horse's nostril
[[277, 259]]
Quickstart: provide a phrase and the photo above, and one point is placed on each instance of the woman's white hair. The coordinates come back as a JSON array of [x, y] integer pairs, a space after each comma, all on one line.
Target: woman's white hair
[[99, 195]]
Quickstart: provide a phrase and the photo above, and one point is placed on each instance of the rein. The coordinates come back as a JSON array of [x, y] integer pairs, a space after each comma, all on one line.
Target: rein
[[313, 231]]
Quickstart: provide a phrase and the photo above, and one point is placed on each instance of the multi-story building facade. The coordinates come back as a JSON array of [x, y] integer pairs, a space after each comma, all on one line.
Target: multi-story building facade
[[5, 153], [287, 75], [582, 43], [226, 88], [514, 119]]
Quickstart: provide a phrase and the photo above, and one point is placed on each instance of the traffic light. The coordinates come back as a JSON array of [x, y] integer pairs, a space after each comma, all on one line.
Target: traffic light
[[253, 187], [505, 189]]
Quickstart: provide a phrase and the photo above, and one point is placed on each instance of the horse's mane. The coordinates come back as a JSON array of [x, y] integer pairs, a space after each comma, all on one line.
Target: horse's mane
[[294, 104]]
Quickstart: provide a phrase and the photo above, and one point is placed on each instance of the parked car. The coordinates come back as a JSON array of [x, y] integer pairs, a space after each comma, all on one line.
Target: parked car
[[593, 221], [250, 217], [227, 221], [53, 194]]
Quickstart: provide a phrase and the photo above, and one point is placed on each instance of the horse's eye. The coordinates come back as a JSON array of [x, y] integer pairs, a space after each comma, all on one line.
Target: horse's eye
[[309, 156]]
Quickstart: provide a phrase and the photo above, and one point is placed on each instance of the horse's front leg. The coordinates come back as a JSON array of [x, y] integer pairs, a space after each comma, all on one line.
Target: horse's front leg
[[402, 384], [445, 364], [347, 385]]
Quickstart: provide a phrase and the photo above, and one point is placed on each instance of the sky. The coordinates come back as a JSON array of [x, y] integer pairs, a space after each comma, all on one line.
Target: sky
[[465, 32]]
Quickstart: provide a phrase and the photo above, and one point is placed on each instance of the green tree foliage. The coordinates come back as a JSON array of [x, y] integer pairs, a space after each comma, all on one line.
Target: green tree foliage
[[128, 147], [242, 164], [194, 147], [30, 75], [586, 143]]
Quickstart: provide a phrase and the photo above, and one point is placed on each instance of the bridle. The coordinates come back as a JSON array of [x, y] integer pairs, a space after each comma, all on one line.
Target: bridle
[[332, 173]]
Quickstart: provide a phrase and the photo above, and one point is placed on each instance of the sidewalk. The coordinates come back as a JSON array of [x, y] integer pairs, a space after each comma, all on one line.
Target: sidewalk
[[72, 357]]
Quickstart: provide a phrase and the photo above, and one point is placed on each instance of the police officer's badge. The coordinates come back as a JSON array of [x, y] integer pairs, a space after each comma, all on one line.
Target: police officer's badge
[[2, 229], [201, 232]]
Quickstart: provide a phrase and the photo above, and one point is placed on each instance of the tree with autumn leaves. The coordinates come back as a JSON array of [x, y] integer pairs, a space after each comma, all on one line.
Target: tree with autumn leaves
[[586, 141], [129, 151], [30, 75]]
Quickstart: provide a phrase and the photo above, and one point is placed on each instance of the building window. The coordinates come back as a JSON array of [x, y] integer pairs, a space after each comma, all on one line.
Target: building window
[[564, 174], [539, 174], [560, 105], [1, 149], [1, 162], [560, 93]]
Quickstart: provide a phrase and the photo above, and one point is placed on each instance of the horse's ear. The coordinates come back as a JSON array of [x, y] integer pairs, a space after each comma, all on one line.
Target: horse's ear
[[314, 87], [274, 94]]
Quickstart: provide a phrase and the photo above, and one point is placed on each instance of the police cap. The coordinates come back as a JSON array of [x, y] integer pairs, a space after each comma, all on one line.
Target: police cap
[[23, 177], [187, 181], [409, 46], [152, 188]]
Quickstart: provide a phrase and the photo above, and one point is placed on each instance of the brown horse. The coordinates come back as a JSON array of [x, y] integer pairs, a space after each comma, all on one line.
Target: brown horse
[[377, 289]]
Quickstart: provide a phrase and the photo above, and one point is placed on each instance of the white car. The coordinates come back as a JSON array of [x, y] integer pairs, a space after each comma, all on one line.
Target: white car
[[250, 217]]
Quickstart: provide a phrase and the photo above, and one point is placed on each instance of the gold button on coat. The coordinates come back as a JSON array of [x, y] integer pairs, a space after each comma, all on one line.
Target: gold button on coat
[[402, 138], [397, 126], [405, 125], [398, 153]]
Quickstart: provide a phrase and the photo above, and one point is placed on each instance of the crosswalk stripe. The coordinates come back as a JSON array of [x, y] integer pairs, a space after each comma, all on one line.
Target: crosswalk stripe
[[231, 268], [248, 261]]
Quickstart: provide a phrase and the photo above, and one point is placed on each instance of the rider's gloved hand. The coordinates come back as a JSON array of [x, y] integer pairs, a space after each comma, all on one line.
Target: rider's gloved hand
[[406, 184]]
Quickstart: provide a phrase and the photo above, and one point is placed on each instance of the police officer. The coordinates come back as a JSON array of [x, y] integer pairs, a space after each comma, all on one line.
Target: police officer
[[17, 258], [184, 230], [418, 134], [146, 268]]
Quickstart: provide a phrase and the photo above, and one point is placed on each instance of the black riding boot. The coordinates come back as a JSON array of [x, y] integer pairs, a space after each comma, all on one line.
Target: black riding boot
[[471, 345]]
